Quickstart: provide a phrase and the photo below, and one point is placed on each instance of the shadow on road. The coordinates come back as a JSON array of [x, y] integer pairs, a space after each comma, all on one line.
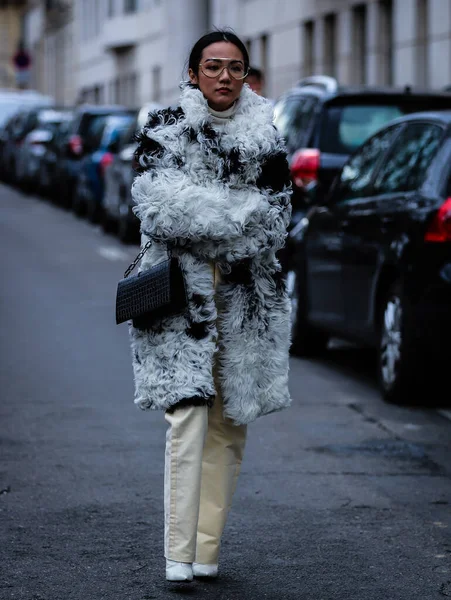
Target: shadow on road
[[361, 365]]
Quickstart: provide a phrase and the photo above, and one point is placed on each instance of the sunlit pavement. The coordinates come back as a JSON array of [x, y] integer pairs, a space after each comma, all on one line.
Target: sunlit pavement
[[341, 497]]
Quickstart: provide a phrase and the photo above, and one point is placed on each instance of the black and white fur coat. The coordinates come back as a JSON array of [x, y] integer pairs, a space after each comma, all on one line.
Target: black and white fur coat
[[219, 196]]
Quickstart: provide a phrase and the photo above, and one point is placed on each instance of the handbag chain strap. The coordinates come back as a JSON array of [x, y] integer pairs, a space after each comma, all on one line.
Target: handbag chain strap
[[137, 259]]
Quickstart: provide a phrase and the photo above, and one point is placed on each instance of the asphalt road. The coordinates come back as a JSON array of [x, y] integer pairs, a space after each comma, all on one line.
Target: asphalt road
[[341, 497]]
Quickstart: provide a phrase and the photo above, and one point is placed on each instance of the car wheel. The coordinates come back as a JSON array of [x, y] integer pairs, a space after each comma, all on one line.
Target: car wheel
[[400, 366], [44, 180], [93, 210], [78, 202], [306, 341]]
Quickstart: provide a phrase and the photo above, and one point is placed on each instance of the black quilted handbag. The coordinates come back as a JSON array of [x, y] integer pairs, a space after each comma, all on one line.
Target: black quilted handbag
[[152, 294]]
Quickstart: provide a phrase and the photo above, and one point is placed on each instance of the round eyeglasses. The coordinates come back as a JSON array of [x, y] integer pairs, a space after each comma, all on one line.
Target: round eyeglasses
[[214, 67]]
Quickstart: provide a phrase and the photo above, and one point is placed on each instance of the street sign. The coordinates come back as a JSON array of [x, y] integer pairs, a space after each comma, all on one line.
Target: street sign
[[21, 60]]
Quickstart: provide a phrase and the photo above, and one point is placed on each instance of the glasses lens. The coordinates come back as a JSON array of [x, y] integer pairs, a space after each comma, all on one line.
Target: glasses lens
[[213, 67], [236, 69]]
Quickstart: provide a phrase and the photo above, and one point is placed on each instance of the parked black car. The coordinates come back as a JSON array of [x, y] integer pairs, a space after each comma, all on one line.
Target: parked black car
[[117, 204], [323, 123], [49, 166], [13, 137], [89, 195], [374, 257], [80, 139]]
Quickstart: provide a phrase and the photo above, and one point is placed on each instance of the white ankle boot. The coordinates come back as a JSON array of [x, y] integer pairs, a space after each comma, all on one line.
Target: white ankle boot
[[178, 571], [200, 570]]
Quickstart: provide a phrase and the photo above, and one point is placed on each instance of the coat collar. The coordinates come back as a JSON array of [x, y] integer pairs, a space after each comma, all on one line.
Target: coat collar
[[250, 106], [251, 127]]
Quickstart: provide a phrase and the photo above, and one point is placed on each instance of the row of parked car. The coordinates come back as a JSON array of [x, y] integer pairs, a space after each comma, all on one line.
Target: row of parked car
[[368, 257], [369, 252], [81, 158]]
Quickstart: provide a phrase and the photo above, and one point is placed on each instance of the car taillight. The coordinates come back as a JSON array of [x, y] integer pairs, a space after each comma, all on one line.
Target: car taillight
[[76, 144], [105, 162], [304, 166], [440, 228]]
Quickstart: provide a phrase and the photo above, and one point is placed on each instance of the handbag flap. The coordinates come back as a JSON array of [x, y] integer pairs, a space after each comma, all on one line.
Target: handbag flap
[[144, 293]]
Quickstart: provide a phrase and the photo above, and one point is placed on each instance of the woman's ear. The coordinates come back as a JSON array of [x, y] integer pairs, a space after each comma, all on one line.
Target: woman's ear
[[193, 77]]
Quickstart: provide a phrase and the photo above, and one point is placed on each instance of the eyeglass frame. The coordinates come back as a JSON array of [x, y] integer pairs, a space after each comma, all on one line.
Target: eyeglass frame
[[226, 67]]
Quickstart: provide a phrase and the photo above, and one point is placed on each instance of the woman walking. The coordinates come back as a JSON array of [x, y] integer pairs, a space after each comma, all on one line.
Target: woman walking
[[214, 188]]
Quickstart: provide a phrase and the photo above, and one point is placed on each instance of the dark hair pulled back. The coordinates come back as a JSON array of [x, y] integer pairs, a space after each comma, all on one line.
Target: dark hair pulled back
[[221, 35]]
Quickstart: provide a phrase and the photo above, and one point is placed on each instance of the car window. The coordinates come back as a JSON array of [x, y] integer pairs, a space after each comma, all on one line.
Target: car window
[[345, 128], [88, 122], [287, 117], [356, 175], [347, 122], [94, 131], [114, 128], [407, 163], [129, 135]]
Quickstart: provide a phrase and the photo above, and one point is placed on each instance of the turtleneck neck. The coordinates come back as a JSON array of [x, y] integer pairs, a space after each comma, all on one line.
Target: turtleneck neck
[[220, 117]]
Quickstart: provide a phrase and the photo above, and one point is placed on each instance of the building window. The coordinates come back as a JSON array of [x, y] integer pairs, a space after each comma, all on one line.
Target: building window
[[264, 54], [330, 29], [156, 84], [309, 48], [111, 97], [117, 91], [248, 45], [359, 43], [385, 75], [422, 31], [132, 89], [130, 6], [97, 17]]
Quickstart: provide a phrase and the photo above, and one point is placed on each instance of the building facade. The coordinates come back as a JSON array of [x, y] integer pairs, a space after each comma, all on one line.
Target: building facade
[[48, 30], [134, 51], [377, 42]]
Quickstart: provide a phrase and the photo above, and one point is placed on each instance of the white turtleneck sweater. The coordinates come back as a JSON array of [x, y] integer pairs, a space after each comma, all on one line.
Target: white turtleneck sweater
[[219, 120], [221, 117]]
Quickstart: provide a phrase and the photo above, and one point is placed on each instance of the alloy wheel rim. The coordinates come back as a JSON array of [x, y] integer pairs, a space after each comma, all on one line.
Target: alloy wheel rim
[[391, 341]]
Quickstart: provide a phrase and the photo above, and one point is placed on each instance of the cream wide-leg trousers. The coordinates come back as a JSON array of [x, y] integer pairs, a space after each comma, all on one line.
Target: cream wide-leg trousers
[[203, 457]]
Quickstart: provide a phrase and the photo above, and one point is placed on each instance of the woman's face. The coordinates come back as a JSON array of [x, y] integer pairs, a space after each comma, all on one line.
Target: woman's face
[[220, 89]]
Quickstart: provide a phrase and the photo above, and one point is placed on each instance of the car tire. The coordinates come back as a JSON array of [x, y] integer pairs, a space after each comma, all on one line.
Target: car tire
[[401, 362], [93, 211], [78, 202], [306, 340]]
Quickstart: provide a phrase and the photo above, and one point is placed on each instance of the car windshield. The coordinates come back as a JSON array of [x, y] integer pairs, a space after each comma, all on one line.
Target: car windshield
[[114, 128], [345, 127]]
